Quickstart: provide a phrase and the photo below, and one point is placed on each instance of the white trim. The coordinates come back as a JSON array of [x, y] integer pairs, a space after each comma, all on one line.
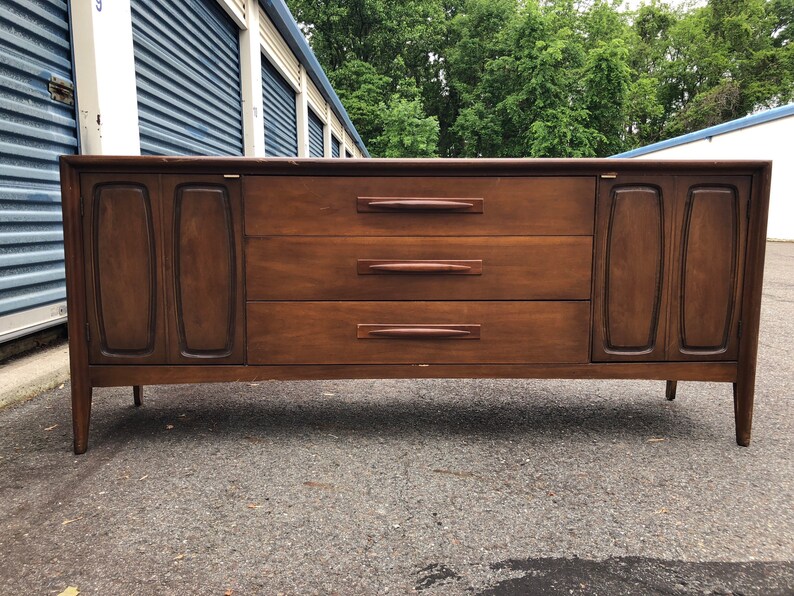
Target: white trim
[[327, 132], [302, 105], [345, 148], [251, 82], [318, 109], [236, 9], [104, 66], [316, 99], [277, 51], [31, 320]]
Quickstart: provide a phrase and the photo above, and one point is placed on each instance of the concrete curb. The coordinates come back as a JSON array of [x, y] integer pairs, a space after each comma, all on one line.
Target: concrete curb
[[26, 377]]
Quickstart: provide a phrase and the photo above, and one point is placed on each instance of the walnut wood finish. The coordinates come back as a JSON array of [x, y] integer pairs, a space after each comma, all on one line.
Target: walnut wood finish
[[382, 204], [285, 205], [113, 376], [670, 265], [159, 271], [523, 268], [124, 269], [72, 205], [408, 266], [418, 331], [707, 268], [630, 301], [326, 332], [670, 390], [202, 232]]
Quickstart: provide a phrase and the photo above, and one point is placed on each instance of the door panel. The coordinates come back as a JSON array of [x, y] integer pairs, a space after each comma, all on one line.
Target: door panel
[[630, 301], [124, 273], [205, 269], [707, 268]]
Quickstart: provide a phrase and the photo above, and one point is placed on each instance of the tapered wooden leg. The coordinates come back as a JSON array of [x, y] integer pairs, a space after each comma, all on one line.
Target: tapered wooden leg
[[670, 391], [137, 394], [81, 413], [743, 394]]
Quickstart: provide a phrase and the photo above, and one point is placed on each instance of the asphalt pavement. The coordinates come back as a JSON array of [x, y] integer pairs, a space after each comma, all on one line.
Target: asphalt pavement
[[399, 486]]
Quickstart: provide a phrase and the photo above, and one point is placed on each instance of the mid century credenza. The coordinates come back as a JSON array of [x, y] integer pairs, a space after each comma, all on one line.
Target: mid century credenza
[[183, 270]]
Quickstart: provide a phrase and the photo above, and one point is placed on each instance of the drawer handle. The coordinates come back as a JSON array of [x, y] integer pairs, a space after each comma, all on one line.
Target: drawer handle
[[406, 204], [419, 331], [421, 204], [420, 267], [454, 267]]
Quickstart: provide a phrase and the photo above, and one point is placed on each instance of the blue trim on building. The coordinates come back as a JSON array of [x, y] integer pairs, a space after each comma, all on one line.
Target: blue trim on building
[[288, 28], [713, 131]]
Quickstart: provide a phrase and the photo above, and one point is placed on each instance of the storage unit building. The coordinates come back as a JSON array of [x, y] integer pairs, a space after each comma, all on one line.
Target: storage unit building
[[759, 136], [128, 77], [37, 124], [187, 72], [281, 113]]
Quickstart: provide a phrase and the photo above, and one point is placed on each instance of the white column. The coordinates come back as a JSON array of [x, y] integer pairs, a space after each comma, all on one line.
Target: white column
[[327, 132], [251, 79], [303, 114], [105, 77]]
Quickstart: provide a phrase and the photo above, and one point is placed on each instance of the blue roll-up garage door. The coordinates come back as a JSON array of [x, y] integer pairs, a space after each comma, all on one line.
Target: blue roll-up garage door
[[281, 114], [187, 69], [37, 124], [316, 140], [334, 147]]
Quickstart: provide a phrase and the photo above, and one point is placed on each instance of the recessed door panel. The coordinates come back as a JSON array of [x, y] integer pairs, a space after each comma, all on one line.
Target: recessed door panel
[[630, 270], [125, 318], [204, 273], [707, 262]]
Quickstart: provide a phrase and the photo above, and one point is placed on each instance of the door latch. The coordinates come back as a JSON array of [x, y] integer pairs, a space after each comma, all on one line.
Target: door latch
[[62, 91]]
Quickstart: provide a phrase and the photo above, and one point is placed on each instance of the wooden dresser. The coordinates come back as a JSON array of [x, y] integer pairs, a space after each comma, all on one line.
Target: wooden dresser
[[185, 270]]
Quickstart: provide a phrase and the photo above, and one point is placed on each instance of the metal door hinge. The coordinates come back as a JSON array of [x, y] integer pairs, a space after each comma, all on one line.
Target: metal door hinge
[[62, 91], [87, 332]]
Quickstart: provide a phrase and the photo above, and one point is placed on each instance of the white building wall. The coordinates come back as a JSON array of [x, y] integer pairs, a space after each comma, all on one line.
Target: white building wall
[[768, 140]]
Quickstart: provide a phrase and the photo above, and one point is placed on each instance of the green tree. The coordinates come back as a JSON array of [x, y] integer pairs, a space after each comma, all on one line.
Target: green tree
[[499, 78]]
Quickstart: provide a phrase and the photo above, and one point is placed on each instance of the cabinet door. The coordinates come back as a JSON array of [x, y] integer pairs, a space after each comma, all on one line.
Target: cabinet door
[[633, 223], [707, 267], [669, 267], [202, 216], [124, 279]]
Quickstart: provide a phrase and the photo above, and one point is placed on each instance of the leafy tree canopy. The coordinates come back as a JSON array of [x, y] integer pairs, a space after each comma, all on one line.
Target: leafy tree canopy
[[546, 78]]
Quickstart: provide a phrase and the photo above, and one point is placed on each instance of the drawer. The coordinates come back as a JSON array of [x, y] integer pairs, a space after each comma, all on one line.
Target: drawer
[[431, 206], [418, 268], [417, 332]]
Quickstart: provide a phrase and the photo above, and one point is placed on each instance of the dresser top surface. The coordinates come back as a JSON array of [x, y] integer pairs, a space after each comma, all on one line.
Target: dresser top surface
[[408, 167]]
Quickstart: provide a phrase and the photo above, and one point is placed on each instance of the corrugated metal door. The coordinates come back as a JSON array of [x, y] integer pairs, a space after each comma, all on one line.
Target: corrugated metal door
[[187, 69], [281, 114], [316, 137], [334, 147], [34, 130]]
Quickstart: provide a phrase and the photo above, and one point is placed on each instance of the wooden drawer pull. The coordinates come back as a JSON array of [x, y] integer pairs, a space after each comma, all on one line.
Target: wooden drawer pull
[[418, 204], [420, 267], [454, 267], [419, 331]]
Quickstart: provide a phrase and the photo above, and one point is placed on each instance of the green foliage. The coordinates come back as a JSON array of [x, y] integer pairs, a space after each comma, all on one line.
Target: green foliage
[[550, 78]]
